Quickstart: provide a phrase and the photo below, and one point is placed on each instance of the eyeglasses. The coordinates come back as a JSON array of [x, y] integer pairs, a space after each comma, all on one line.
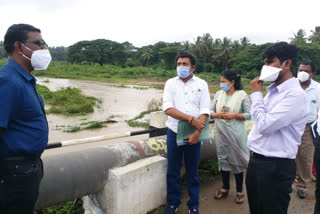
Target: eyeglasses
[[40, 43]]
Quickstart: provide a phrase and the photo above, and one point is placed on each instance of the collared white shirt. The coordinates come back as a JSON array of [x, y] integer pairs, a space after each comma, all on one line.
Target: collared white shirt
[[312, 98], [191, 98], [279, 120]]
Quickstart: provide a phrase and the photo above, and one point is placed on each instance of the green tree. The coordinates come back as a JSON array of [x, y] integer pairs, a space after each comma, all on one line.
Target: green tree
[[314, 38], [58, 53], [3, 52], [146, 54], [308, 51], [99, 51], [224, 53], [168, 54], [245, 42], [299, 38], [249, 61]]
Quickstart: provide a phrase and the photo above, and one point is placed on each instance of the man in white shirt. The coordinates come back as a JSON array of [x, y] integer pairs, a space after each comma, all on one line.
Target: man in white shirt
[[305, 153], [186, 97], [279, 122]]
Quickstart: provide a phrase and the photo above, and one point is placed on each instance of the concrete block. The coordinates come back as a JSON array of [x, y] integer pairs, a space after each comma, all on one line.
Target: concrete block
[[158, 119], [136, 188]]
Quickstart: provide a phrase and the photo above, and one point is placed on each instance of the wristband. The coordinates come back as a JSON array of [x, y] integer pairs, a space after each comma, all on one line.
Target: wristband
[[190, 120]]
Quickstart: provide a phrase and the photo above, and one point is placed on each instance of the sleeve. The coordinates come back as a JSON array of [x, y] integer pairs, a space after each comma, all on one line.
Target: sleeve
[[214, 103], [246, 106], [282, 115], [8, 95], [205, 100], [167, 97]]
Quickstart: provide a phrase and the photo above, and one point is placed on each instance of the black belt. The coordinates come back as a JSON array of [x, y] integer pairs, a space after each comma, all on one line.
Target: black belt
[[259, 156]]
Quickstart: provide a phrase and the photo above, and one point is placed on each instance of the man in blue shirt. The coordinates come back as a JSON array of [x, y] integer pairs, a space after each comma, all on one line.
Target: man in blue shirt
[[23, 124]]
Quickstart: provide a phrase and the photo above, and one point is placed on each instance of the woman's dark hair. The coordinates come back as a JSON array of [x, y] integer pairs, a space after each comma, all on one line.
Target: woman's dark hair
[[231, 75], [17, 33]]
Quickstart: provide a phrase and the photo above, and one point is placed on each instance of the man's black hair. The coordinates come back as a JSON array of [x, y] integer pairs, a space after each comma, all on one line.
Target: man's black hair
[[185, 54], [17, 33], [309, 62], [282, 50]]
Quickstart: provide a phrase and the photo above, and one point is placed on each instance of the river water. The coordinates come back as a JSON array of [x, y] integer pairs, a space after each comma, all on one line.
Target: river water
[[119, 102]]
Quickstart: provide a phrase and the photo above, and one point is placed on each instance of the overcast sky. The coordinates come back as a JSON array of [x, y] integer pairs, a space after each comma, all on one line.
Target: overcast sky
[[144, 22]]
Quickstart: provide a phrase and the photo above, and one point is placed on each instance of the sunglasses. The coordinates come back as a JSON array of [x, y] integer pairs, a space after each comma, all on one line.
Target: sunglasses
[[40, 43]]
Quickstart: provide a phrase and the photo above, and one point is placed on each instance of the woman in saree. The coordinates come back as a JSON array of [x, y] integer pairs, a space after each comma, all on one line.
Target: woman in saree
[[231, 107]]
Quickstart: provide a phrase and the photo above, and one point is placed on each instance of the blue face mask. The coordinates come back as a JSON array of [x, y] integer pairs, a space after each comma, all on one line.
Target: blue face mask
[[183, 72], [224, 86]]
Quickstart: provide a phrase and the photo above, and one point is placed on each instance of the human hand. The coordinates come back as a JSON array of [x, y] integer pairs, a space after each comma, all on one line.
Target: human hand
[[193, 138], [197, 124], [228, 115], [217, 115], [256, 85]]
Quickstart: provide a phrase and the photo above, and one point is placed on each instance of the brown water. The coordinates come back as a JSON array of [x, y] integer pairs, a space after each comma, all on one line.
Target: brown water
[[118, 103]]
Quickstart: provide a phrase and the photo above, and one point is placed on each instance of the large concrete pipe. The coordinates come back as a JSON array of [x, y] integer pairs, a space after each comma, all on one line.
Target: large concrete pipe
[[76, 174]]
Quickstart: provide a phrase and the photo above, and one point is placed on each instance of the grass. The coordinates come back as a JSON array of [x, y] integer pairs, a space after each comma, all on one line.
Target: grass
[[69, 207], [108, 73], [84, 126], [134, 123], [67, 101]]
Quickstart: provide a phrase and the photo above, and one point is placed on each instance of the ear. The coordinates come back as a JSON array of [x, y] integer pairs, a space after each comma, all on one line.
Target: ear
[[287, 64], [18, 48], [193, 68], [312, 74]]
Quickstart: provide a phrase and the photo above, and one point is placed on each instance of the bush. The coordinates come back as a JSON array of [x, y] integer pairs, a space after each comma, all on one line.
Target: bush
[[68, 101]]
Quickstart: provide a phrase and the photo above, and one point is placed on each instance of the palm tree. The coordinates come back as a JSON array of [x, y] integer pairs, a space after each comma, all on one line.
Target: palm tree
[[245, 42], [299, 38], [224, 53], [186, 45], [314, 38], [204, 47], [236, 46], [147, 54]]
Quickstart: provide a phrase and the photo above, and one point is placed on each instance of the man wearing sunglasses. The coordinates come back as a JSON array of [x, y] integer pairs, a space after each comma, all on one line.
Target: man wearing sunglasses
[[23, 124]]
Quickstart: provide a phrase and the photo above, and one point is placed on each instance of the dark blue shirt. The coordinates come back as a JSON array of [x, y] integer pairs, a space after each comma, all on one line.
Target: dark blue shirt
[[22, 117]]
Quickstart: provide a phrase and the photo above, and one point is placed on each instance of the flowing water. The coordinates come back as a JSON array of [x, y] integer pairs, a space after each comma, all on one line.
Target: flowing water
[[119, 103]]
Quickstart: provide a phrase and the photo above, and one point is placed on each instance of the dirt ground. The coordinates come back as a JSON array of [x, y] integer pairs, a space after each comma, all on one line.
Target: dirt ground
[[208, 205]]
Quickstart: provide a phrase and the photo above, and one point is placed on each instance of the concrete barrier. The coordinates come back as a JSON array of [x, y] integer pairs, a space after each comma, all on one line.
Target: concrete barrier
[[136, 188]]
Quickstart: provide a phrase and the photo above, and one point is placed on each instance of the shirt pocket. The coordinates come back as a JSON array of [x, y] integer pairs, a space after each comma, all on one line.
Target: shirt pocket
[[31, 108], [195, 96]]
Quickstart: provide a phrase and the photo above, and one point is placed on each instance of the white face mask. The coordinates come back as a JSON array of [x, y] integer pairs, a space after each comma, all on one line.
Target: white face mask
[[303, 76], [269, 73], [40, 59]]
